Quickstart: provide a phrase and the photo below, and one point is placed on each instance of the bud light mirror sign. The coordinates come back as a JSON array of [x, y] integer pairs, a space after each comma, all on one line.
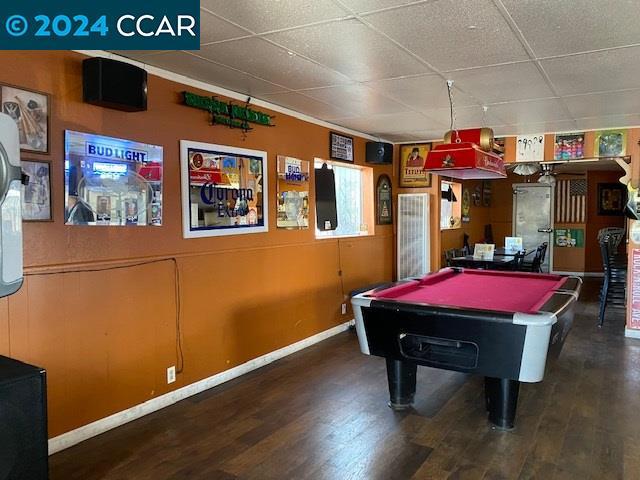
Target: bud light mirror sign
[[224, 190], [111, 181]]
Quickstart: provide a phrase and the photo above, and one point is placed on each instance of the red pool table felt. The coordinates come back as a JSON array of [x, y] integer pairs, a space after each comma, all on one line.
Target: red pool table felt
[[478, 289]]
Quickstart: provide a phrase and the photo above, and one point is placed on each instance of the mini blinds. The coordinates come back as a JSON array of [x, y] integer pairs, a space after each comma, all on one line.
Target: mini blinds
[[571, 201]]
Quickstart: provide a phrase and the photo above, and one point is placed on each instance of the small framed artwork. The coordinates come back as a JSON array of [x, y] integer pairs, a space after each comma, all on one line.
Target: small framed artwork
[[612, 198], [486, 193], [30, 110], [611, 143], [36, 195], [530, 148], [340, 147], [412, 173], [569, 146], [384, 201]]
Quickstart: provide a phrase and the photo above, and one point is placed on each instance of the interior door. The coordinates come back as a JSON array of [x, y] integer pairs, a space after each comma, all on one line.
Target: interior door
[[533, 217]]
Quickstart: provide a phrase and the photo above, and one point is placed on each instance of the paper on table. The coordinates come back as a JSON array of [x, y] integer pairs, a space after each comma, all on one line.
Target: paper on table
[[484, 251], [513, 243]]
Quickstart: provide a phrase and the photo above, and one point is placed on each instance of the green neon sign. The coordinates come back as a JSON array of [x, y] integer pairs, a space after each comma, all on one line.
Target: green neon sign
[[230, 114]]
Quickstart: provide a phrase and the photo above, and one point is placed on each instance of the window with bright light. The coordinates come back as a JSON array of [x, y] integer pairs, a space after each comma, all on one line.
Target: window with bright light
[[354, 200], [450, 205]]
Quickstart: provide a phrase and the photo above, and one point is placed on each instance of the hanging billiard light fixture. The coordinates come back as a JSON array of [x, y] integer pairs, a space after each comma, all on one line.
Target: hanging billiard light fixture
[[465, 153]]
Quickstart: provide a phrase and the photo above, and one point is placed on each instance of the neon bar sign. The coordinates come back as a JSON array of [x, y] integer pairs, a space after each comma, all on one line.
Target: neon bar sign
[[229, 114]]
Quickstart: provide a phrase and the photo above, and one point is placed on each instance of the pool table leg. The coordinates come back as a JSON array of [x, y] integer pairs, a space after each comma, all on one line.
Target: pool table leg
[[501, 395], [402, 383]]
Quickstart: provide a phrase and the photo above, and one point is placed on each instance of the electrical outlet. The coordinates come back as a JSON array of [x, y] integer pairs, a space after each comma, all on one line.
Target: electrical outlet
[[171, 374], [344, 309]]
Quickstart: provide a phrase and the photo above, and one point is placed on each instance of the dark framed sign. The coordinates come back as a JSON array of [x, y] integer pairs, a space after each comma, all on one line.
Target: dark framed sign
[[384, 201], [612, 198], [486, 193], [340, 147]]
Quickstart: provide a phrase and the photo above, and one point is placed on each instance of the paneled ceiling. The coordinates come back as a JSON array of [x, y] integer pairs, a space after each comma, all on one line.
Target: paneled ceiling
[[380, 66]]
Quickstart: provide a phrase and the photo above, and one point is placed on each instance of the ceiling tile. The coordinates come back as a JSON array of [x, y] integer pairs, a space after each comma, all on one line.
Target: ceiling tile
[[611, 121], [266, 15], [352, 48], [556, 28], [214, 29], [362, 6], [536, 127], [595, 72], [440, 33], [421, 92], [465, 117], [303, 104], [203, 70], [356, 99], [388, 124], [264, 60], [533, 111], [603, 104], [515, 81]]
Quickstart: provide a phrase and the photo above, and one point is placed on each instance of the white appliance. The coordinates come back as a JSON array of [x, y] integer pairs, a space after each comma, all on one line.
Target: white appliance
[[10, 207]]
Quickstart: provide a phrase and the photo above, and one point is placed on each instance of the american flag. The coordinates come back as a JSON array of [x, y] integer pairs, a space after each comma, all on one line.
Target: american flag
[[571, 201]]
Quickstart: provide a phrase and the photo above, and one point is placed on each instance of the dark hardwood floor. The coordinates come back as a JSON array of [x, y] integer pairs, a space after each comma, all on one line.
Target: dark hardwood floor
[[321, 414]]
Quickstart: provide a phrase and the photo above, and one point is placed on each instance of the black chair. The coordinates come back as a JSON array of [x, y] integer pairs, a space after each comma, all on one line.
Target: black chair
[[613, 291], [449, 255], [518, 262], [536, 264], [488, 234]]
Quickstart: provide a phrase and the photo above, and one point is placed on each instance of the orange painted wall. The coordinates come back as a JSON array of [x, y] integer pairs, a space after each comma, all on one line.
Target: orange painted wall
[[479, 217], [106, 338]]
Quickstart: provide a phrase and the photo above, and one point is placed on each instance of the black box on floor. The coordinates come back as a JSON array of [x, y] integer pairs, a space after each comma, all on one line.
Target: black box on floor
[[23, 421]]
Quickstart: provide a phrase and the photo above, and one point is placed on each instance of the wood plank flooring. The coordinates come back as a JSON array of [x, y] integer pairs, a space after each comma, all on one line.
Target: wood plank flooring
[[322, 414]]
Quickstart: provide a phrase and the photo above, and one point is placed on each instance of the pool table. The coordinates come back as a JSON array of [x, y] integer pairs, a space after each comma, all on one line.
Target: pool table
[[503, 325]]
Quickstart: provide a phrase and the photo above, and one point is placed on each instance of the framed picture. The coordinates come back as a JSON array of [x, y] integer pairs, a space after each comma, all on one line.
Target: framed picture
[[412, 158], [611, 143], [340, 147], [36, 195], [293, 193], [486, 193], [384, 201], [569, 146], [224, 190], [530, 148], [30, 111], [612, 198], [111, 181]]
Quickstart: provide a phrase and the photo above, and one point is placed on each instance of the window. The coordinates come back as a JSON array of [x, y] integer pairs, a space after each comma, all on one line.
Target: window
[[450, 205], [354, 200]]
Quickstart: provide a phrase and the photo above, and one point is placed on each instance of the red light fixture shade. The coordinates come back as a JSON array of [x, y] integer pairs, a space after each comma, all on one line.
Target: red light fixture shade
[[465, 160]]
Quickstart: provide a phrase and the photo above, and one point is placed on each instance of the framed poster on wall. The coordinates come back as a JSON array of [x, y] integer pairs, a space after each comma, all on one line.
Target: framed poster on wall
[[36, 195], [293, 193], [30, 110], [530, 148], [412, 158], [224, 190]]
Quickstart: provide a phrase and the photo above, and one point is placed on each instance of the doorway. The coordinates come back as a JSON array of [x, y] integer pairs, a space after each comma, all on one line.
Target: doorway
[[533, 217]]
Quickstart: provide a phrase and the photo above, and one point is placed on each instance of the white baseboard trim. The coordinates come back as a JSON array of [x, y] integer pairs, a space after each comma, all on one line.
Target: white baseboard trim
[[85, 432], [631, 333]]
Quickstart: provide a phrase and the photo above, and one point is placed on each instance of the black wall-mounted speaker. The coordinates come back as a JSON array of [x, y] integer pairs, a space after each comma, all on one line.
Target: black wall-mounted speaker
[[112, 84], [23, 421], [379, 153]]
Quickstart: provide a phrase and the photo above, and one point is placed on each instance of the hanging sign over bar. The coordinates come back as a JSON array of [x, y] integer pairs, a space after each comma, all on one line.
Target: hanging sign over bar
[[229, 114]]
